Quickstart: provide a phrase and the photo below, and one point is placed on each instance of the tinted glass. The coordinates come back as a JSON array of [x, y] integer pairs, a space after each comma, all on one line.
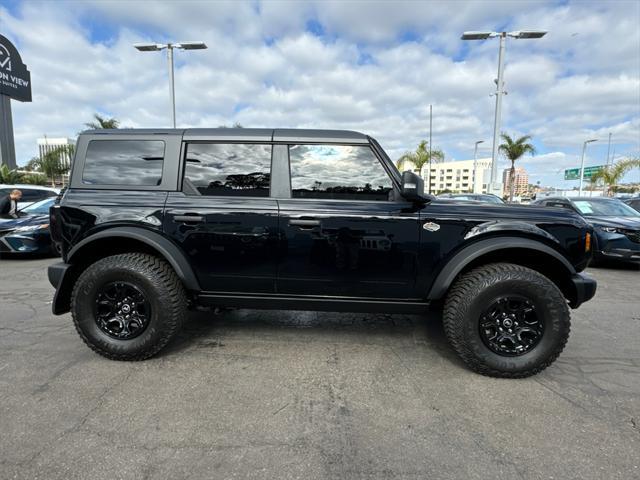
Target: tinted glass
[[124, 162], [338, 172], [228, 169], [33, 195], [41, 207]]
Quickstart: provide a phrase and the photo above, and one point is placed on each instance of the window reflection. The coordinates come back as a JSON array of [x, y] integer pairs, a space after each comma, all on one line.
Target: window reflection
[[124, 162], [337, 172], [227, 169]]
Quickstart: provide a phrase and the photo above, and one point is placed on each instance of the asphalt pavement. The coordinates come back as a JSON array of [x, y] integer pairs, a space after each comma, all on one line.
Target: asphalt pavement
[[284, 395]]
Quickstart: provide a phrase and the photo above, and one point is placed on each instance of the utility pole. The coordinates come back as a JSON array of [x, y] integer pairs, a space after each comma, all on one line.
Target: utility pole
[[608, 149], [584, 149], [430, 140]]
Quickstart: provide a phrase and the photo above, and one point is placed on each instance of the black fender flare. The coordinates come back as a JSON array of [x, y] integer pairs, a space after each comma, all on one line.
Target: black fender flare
[[471, 252], [165, 247]]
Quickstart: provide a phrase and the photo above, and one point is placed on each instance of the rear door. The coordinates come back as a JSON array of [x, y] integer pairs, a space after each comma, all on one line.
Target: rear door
[[345, 232], [223, 217]]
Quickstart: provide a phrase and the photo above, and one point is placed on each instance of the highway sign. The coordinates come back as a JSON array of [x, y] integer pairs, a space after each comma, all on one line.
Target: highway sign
[[574, 173]]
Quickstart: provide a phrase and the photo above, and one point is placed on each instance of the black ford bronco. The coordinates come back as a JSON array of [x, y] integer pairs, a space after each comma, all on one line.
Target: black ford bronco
[[155, 222]]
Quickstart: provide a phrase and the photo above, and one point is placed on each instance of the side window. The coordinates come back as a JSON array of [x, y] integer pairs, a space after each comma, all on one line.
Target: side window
[[30, 195], [231, 169], [339, 172], [124, 162]]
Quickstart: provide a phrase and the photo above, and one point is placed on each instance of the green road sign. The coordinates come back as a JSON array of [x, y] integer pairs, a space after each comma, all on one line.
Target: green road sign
[[574, 173]]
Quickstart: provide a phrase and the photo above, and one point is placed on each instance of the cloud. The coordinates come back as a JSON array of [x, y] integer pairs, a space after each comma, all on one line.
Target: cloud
[[372, 67]]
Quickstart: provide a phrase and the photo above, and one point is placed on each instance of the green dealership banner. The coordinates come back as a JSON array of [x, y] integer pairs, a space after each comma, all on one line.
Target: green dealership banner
[[574, 173]]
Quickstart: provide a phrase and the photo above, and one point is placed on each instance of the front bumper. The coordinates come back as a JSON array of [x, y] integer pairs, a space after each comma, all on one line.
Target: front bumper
[[624, 254], [617, 246], [15, 242], [584, 289]]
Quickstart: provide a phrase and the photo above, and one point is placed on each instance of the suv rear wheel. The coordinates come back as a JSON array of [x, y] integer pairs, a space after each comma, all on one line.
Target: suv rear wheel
[[506, 320], [128, 306]]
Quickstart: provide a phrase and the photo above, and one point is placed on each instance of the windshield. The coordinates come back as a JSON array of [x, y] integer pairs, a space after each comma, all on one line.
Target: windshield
[[40, 208], [611, 208]]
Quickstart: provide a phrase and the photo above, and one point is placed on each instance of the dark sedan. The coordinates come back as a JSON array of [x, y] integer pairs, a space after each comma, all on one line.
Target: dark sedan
[[616, 225], [29, 233]]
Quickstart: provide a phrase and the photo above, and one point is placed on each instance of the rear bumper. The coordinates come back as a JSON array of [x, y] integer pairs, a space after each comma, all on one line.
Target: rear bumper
[[585, 288], [59, 278]]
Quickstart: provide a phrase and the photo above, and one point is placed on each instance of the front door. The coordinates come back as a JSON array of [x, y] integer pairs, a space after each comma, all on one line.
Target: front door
[[344, 234], [224, 219]]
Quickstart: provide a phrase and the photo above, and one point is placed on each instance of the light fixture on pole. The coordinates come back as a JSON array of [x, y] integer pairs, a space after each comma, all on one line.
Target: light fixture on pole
[[475, 165], [156, 47], [521, 34], [584, 149]]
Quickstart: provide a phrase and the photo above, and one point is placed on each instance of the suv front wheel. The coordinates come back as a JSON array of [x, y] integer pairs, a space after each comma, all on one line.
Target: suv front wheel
[[128, 306], [506, 320]]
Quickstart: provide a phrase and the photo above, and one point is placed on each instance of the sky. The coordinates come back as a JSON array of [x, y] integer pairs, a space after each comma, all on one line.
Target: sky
[[373, 67]]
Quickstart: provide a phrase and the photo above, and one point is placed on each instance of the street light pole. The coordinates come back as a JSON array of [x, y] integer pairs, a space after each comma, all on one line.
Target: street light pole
[[523, 34], [584, 149], [497, 118], [155, 47], [475, 165], [172, 89]]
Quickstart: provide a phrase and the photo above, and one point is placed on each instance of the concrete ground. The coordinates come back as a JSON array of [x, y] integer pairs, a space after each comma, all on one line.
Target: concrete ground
[[279, 395]]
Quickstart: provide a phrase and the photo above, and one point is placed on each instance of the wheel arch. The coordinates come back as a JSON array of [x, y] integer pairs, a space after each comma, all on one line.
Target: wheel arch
[[121, 240], [526, 252]]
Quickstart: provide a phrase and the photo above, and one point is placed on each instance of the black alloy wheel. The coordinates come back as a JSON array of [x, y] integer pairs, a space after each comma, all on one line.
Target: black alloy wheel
[[122, 310], [511, 326]]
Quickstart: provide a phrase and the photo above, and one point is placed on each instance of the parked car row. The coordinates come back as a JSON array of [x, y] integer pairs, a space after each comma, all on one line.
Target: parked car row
[[616, 223], [29, 233]]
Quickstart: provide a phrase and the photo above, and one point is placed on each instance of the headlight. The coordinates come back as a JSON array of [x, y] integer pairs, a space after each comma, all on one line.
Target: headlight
[[610, 229], [31, 228]]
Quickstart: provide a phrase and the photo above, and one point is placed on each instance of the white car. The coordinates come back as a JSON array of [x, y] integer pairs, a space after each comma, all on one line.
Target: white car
[[30, 193]]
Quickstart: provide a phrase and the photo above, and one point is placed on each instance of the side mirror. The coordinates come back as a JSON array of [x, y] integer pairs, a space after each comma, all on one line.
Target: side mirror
[[413, 187]]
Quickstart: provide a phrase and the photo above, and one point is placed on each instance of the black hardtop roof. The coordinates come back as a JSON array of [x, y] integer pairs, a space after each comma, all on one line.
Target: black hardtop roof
[[246, 134]]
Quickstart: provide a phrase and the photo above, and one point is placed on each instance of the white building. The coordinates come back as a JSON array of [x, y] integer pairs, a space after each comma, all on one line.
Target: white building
[[48, 144], [458, 176]]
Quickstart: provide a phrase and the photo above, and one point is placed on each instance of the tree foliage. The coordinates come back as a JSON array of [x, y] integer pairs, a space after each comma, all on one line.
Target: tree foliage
[[513, 149], [101, 122], [52, 163], [611, 175], [9, 176], [420, 157]]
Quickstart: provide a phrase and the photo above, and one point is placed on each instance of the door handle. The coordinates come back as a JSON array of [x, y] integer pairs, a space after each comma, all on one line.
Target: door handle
[[304, 223], [188, 218]]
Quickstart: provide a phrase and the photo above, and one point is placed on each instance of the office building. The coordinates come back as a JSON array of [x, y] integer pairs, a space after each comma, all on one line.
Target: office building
[[46, 145]]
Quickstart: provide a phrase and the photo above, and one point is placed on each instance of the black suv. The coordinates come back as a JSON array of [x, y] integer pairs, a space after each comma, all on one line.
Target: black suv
[[155, 222]]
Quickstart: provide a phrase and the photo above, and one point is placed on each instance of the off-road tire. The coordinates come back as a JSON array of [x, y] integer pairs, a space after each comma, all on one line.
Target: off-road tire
[[475, 290], [161, 286]]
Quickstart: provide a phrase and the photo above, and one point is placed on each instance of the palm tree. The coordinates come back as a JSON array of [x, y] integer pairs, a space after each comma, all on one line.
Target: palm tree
[[102, 122], [420, 157], [513, 150], [612, 174]]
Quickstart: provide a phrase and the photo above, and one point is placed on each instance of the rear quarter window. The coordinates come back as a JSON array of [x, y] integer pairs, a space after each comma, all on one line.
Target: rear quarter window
[[124, 162]]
